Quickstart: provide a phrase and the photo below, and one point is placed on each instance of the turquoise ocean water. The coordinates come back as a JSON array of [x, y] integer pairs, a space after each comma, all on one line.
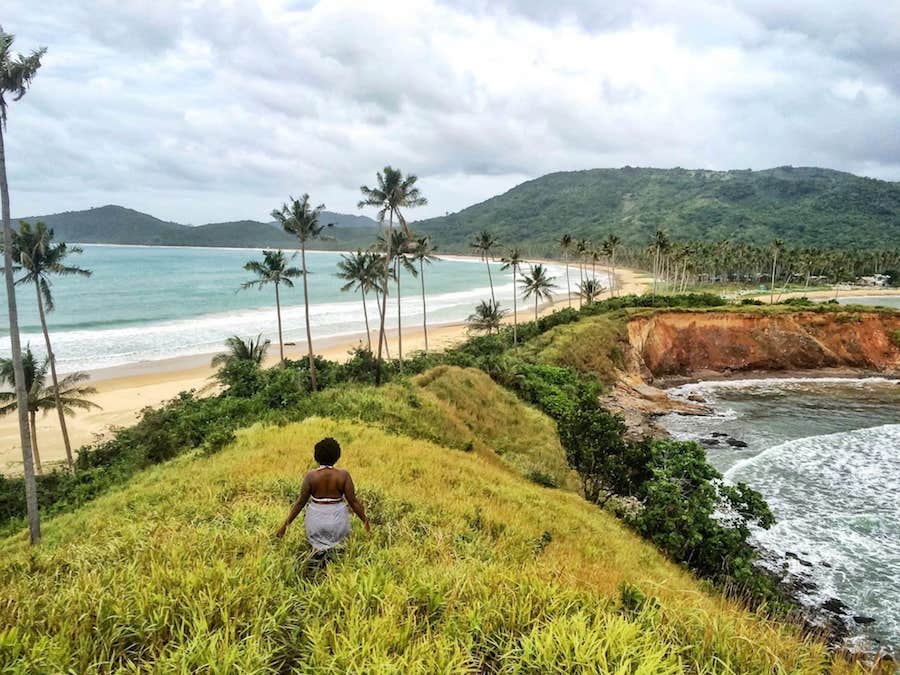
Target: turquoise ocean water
[[146, 303]]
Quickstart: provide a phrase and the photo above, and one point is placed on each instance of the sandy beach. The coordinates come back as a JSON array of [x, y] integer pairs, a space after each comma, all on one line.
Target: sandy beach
[[123, 391]]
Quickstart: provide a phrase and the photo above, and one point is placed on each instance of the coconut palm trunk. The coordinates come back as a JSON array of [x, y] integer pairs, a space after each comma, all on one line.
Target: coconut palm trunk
[[568, 282], [309, 344], [772, 288], [59, 408], [424, 308], [614, 280], [278, 312], [399, 320], [515, 311], [34, 525], [382, 338], [580, 277], [487, 262], [32, 425], [655, 269], [366, 317], [535, 308]]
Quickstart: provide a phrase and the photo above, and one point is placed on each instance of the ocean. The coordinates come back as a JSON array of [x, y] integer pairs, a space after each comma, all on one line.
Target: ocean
[[825, 453], [146, 303], [870, 300]]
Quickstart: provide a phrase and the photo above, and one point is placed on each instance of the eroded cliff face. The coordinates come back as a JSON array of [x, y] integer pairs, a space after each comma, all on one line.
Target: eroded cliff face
[[685, 344]]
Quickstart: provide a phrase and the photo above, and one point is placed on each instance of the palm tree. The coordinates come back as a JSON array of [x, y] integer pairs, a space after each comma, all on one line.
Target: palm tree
[[424, 252], [777, 247], [484, 242], [40, 397], [39, 257], [273, 269], [301, 219], [565, 244], [360, 271], [243, 350], [590, 290], [399, 250], [660, 245], [16, 74], [378, 266], [581, 248], [513, 261], [487, 317], [394, 192], [610, 246], [537, 283]]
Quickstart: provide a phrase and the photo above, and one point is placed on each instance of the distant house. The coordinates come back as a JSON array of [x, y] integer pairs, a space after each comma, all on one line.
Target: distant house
[[874, 280]]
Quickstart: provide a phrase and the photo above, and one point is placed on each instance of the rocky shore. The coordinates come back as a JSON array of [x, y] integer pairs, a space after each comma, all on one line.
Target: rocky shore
[[641, 405]]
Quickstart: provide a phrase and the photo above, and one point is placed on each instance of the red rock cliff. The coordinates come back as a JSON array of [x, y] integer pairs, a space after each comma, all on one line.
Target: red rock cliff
[[687, 343]]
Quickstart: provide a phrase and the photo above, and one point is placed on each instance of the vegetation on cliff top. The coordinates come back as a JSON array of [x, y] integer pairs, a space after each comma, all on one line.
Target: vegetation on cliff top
[[473, 566], [470, 568]]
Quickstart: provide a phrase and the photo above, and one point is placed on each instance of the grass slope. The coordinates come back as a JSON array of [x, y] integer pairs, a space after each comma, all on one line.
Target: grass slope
[[803, 206], [595, 345], [458, 408], [470, 568]]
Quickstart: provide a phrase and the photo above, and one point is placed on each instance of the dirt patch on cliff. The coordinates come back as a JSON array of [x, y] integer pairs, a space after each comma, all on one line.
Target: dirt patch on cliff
[[699, 344]]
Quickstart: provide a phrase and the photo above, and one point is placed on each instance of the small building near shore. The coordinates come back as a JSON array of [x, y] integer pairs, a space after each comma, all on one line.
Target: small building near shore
[[874, 280]]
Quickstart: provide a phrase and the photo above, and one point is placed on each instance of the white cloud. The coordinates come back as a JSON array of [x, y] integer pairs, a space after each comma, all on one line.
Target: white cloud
[[217, 110]]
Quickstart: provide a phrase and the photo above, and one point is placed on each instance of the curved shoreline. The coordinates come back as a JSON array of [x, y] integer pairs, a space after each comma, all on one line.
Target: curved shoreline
[[822, 607]]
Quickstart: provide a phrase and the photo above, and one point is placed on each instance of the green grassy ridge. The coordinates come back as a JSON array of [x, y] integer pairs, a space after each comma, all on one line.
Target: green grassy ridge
[[470, 568], [460, 408], [804, 206]]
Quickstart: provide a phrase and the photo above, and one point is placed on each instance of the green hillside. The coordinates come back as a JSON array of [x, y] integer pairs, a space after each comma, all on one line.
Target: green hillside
[[803, 206], [119, 225], [469, 568]]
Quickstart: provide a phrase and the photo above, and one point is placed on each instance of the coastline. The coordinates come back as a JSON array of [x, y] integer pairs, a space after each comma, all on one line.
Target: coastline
[[123, 391]]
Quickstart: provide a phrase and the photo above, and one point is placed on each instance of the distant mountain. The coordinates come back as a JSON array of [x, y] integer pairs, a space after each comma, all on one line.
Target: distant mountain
[[119, 225], [802, 206]]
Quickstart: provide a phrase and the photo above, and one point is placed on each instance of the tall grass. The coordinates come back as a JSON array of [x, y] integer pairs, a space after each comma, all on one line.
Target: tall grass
[[461, 408], [470, 568]]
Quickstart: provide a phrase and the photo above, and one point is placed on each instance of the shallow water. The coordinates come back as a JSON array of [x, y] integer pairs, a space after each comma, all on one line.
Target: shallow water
[[825, 453], [155, 302]]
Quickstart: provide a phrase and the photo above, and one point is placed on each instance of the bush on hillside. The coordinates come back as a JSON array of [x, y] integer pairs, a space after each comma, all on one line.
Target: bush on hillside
[[694, 517]]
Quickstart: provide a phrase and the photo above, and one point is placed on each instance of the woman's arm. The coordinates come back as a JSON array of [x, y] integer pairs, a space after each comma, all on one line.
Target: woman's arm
[[355, 504], [297, 507]]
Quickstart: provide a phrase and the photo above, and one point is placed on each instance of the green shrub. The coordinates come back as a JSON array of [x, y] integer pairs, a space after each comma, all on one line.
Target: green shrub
[[895, 337]]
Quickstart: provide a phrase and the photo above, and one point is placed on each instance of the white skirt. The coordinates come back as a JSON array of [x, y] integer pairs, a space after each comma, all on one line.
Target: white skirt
[[327, 524]]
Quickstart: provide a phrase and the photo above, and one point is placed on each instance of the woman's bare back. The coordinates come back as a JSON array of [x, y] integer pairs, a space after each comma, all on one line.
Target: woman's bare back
[[327, 482]]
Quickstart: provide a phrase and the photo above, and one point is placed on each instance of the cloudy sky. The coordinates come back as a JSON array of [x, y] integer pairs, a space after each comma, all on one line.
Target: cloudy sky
[[206, 110]]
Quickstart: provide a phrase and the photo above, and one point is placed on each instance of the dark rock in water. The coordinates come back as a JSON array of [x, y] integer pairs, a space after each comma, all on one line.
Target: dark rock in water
[[834, 606], [735, 443], [719, 434], [794, 556], [709, 442], [863, 620], [696, 398], [826, 564]]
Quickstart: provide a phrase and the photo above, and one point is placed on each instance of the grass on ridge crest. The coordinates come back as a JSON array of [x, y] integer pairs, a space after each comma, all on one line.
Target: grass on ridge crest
[[461, 408], [470, 568]]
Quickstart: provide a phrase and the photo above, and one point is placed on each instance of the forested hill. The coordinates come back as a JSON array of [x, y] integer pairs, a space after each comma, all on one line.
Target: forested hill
[[802, 206], [119, 225]]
